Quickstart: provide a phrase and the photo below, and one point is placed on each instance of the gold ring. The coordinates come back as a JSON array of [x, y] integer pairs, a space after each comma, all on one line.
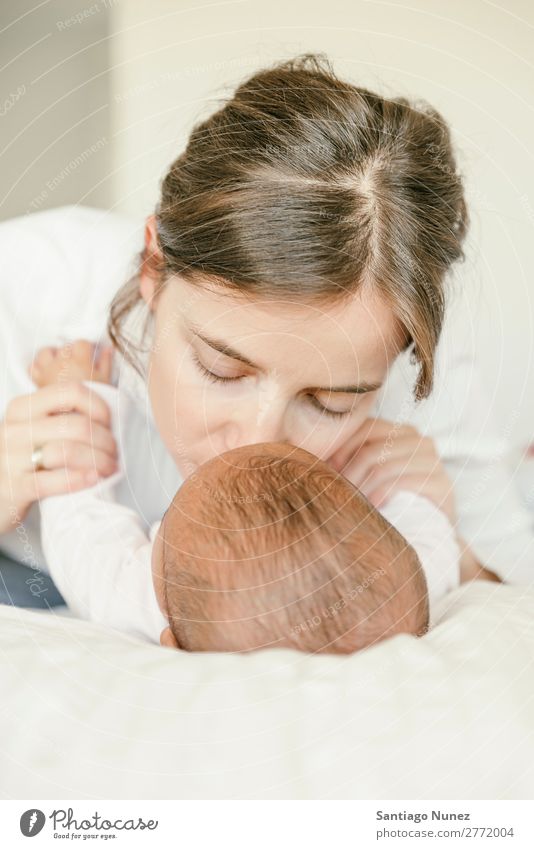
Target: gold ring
[[37, 459]]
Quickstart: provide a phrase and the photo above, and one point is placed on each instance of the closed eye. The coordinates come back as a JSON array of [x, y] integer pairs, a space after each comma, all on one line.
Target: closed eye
[[217, 378], [214, 378]]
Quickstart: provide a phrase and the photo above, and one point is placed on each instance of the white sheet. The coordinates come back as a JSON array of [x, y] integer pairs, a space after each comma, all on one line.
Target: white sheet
[[88, 712]]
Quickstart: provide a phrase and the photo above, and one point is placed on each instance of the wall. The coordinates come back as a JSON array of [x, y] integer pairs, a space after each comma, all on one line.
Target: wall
[[55, 145]]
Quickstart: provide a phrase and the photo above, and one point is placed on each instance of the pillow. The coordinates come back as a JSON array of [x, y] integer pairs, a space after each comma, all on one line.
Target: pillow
[[89, 712]]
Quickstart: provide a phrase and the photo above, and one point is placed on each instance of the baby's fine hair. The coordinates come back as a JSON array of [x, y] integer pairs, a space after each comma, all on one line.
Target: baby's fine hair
[[284, 551]]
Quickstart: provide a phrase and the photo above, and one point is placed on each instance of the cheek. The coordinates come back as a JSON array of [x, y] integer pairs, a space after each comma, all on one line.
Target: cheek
[[365, 408], [185, 409]]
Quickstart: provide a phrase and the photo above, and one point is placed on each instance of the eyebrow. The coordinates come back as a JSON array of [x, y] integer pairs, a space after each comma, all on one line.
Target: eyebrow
[[228, 351]]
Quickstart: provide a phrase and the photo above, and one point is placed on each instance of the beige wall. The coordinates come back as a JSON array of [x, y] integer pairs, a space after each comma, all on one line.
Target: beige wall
[[55, 144]]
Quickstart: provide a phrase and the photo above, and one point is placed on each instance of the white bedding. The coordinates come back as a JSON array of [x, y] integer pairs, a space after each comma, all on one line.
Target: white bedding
[[89, 713]]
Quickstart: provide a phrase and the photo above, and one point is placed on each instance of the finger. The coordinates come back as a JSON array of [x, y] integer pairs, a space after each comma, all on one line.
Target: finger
[[77, 455], [381, 428], [374, 457], [345, 452], [42, 360], [105, 363], [85, 357], [45, 356], [35, 375], [71, 427], [372, 429], [38, 485], [379, 495], [83, 349], [376, 474], [427, 487], [67, 396]]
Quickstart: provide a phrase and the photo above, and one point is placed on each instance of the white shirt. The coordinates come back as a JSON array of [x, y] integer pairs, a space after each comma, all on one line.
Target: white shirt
[[99, 554], [59, 272]]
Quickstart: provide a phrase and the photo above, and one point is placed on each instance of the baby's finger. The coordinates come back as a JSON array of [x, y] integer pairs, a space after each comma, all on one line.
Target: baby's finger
[[82, 349], [105, 364], [45, 356], [394, 470], [379, 495], [374, 429], [42, 359], [34, 373]]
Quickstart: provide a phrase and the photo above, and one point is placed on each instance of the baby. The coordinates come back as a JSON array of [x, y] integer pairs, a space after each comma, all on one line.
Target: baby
[[264, 546], [267, 546]]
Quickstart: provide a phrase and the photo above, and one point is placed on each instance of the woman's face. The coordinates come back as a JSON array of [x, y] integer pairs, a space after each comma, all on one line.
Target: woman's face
[[225, 372]]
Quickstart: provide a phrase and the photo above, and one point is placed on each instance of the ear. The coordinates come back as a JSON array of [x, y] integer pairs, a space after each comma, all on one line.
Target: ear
[[147, 284], [168, 639]]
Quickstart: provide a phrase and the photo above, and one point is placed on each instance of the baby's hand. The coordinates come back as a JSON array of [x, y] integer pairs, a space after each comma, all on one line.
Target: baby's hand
[[75, 361]]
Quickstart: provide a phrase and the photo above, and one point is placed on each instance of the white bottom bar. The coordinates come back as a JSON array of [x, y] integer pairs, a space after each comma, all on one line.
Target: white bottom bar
[[269, 825]]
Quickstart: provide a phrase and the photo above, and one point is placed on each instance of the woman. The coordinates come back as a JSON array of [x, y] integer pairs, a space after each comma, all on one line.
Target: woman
[[296, 263]]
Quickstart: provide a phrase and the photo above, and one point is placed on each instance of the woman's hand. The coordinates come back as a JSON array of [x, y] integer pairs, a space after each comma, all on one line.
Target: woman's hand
[[385, 457], [71, 424]]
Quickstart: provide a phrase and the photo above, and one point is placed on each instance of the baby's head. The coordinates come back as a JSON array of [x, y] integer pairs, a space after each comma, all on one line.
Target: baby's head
[[266, 545]]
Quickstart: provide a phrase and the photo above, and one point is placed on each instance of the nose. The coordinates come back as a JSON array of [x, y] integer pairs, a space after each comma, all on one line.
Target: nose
[[265, 421]]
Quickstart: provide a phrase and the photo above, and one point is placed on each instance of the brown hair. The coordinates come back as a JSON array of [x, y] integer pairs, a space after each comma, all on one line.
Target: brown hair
[[286, 552], [306, 186]]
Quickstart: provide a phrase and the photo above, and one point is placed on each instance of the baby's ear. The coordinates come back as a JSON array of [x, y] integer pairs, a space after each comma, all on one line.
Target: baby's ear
[[168, 639]]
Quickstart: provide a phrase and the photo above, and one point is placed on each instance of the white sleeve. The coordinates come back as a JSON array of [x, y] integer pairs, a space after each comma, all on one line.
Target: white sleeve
[[477, 455], [475, 450], [59, 271], [99, 555], [430, 533]]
